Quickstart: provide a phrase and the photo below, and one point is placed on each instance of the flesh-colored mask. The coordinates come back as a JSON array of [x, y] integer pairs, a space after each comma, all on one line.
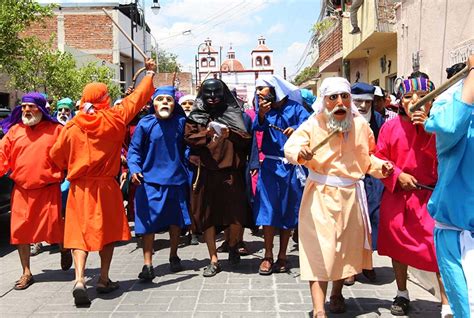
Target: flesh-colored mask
[[364, 107], [187, 106], [30, 114], [338, 111], [164, 106], [411, 98]]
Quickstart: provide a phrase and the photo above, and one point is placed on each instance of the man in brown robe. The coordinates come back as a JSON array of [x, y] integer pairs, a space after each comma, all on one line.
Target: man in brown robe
[[215, 131]]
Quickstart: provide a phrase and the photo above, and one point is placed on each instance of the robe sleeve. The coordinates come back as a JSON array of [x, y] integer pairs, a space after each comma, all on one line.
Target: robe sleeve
[[195, 135], [133, 103], [375, 168], [302, 115], [240, 139], [254, 162], [134, 155], [300, 137], [60, 150], [383, 151], [450, 121], [5, 153], [260, 127]]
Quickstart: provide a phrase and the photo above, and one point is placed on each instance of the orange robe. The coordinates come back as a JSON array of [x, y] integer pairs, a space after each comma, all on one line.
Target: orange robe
[[89, 148], [36, 196]]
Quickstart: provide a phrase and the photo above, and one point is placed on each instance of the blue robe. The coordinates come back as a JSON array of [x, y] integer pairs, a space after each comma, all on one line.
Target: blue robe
[[157, 151], [452, 201], [279, 191]]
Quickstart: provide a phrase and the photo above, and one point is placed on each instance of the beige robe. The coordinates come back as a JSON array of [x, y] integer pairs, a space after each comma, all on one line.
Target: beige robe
[[331, 225]]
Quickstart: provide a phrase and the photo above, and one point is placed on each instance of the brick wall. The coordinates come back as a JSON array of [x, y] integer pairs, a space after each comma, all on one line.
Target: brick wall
[[88, 31], [185, 81], [330, 44], [44, 30]]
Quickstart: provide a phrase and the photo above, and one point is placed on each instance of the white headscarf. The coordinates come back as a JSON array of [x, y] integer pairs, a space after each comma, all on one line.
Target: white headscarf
[[186, 97], [330, 86], [282, 87]]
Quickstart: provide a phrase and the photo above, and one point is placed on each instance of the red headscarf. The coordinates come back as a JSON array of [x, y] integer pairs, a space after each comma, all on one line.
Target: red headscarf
[[96, 94]]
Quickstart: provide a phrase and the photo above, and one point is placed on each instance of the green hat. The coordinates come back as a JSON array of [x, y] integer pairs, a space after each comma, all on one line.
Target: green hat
[[65, 102]]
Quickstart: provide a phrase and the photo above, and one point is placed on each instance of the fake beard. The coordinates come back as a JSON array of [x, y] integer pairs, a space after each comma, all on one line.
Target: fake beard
[[345, 124], [63, 119], [367, 116], [33, 120]]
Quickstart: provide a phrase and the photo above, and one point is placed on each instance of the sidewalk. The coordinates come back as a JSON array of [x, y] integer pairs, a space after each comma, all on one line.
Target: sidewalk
[[235, 292]]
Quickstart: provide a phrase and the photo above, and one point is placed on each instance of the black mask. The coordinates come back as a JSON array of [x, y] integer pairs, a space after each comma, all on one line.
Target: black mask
[[212, 92]]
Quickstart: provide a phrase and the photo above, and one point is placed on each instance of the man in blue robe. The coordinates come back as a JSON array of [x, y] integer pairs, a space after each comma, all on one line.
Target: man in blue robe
[[280, 184], [156, 159], [451, 205]]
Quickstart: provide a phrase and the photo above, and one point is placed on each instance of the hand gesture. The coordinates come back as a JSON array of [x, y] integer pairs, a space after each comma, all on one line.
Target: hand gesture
[[288, 131], [387, 169], [137, 178], [264, 108], [150, 65], [224, 133], [210, 132], [129, 90], [407, 182], [305, 153], [419, 117]]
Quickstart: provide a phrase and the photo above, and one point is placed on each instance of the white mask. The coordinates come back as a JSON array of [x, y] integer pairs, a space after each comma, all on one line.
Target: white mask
[[164, 106]]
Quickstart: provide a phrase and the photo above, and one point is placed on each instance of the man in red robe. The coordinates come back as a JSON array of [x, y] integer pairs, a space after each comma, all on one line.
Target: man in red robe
[[36, 196], [405, 227]]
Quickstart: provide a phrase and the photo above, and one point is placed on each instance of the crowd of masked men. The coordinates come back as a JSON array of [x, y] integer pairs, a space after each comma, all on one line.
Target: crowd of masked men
[[346, 173]]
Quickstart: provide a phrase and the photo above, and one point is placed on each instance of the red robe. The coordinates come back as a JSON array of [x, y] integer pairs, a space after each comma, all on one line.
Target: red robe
[[406, 228], [36, 196]]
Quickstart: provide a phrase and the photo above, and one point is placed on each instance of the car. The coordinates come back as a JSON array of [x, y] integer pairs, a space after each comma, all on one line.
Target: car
[[6, 184]]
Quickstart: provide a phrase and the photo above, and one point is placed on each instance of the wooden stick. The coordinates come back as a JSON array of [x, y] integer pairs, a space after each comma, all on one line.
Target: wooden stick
[[126, 35], [276, 127], [325, 140], [433, 94]]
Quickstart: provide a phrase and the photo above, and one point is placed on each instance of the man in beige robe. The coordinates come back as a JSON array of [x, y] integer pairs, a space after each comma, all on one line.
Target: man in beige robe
[[334, 226]]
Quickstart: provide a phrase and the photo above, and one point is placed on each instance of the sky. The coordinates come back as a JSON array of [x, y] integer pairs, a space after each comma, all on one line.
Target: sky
[[285, 24], [181, 25]]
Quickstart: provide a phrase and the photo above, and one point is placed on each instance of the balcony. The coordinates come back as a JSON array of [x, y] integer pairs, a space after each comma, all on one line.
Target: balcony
[[377, 21]]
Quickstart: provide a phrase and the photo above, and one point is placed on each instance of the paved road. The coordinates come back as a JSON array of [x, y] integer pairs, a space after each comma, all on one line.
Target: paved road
[[235, 292]]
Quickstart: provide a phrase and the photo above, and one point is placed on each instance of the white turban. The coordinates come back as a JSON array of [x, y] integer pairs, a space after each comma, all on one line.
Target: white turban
[[330, 86], [282, 87], [185, 98]]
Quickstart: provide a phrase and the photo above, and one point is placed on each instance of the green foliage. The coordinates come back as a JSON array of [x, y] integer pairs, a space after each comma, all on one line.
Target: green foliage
[[306, 74], [93, 72], [15, 17], [167, 62], [323, 25]]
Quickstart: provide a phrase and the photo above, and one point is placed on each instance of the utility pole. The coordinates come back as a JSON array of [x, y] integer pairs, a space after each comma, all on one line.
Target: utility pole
[[284, 72], [132, 19]]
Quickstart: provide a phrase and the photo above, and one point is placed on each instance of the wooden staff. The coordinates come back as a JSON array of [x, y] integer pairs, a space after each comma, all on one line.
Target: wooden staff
[[433, 94], [276, 127], [325, 140], [126, 35]]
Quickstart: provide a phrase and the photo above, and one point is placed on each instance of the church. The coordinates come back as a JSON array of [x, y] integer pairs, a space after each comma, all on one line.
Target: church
[[231, 70]]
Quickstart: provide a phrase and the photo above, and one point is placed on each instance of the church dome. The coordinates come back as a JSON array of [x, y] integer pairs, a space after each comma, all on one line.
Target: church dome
[[231, 65]]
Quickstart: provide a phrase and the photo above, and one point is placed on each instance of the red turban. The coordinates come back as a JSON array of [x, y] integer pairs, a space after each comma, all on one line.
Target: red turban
[[96, 94]]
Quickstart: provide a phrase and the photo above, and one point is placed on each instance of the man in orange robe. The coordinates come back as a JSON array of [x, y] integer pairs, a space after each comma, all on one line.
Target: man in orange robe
[[89, 149], [36, 196]]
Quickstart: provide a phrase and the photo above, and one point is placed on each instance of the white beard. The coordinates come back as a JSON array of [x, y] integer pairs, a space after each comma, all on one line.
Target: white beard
[[164, 113], [367, 116], [345, 125], [63, 119], [35, 119]]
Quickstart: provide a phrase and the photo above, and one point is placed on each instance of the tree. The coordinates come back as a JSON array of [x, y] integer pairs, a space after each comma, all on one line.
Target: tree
[[15, 17], [167, 62], [306, 74]]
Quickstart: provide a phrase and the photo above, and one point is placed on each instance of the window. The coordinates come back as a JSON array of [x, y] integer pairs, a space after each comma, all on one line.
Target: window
[[266, 60], [212, 62], [258, 61], [204, 62]]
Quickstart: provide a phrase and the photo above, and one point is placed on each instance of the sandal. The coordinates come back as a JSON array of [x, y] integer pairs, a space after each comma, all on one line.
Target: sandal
[[266, 266], [349, 281], [281, 266], [79, 292], [242, 249], [224, 248], [212, 269], [108, 287], [24, 282], [337, 304], [320, 314], [66, 259]]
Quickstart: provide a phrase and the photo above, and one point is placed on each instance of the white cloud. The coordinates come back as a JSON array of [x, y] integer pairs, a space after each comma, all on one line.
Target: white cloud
[[289, 59], [276, 28]]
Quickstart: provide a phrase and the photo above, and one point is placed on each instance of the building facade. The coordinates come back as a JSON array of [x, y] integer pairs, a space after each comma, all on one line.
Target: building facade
[[232, 71]]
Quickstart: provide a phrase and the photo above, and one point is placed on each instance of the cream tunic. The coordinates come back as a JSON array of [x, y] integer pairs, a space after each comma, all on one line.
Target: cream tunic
[[331, 226]]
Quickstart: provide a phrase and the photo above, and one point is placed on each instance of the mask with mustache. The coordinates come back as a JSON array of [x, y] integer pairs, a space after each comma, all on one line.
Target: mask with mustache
[[32, 120], [333, 123], [164, 106]]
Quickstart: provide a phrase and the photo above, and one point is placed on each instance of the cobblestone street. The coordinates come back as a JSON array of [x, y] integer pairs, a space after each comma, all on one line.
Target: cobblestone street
[[235, 292]]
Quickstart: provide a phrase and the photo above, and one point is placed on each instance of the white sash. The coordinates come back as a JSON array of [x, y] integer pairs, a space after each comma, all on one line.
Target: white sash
[[466, 244], [337, 182], [300, 175]]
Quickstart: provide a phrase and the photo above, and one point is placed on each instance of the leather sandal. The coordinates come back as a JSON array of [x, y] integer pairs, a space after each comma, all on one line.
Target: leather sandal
[[266, 266], [79, 292], [24, 282], [108, 287], [281, 266]]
